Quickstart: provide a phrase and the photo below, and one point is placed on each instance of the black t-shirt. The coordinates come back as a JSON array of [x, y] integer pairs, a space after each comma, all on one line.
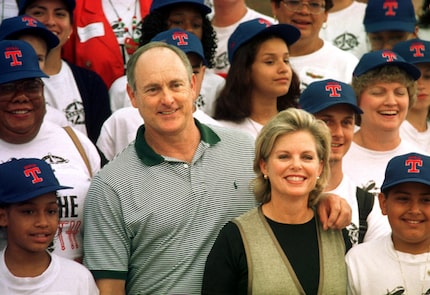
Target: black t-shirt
[[226, 269]]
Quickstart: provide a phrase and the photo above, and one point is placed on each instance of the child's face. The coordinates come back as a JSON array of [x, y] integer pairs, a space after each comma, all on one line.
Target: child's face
[[31, 225], [407, 207]]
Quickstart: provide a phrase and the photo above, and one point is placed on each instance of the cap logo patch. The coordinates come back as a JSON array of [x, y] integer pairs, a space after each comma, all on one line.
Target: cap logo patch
[[417, 49], [29, 21], [33, 171], [391, 7], [264, 22], [181, 37], [414, 162], [333, 88], [390, 56], [12, 54]]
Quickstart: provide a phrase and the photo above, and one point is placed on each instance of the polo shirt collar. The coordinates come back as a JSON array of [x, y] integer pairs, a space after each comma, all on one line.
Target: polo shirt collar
[[149, 157]]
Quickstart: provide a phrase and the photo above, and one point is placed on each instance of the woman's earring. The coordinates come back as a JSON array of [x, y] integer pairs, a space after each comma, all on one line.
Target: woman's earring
[[265, 176]]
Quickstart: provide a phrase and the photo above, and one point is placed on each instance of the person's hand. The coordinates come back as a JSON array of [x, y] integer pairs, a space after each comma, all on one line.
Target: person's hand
[[334, 211]]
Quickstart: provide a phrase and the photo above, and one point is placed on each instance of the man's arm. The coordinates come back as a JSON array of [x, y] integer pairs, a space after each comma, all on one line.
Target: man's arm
[[334, 211], [111, 286]]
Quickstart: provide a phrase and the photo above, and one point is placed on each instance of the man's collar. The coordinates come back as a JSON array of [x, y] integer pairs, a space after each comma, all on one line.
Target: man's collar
[[149, 157]]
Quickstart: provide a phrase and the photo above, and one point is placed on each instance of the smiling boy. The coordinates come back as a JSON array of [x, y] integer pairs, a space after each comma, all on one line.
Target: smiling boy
[[404, 254]]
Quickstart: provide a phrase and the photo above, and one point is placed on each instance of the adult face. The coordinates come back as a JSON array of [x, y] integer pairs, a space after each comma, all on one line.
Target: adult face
[[22, 108], [308, 23], [164, 93], [341, 121], [293, 166], [187, 18], [54, 15], [384, 105], [423, 97], [31, 225], [387, 39], [271, 72], [408, 210], [39, 45]]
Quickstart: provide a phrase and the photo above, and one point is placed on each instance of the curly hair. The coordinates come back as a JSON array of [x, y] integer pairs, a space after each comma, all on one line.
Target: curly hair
[[234, 103], [156, 22], [388, 74], [287, 122]]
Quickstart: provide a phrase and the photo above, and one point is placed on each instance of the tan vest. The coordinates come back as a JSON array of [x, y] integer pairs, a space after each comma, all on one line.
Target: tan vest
[[270, 272]]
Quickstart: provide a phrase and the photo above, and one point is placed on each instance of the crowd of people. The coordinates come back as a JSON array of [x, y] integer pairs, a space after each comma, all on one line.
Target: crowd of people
[[203, 147]]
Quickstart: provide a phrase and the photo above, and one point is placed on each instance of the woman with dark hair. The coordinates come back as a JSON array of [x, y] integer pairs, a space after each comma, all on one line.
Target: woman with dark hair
[[261, 81], [188, 15]]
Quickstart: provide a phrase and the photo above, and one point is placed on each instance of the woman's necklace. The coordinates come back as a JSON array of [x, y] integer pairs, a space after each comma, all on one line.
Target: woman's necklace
[[122, 30], [426, 273]]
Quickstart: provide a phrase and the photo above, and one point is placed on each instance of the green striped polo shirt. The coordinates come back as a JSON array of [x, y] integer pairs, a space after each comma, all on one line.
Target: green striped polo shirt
[[152, 220]]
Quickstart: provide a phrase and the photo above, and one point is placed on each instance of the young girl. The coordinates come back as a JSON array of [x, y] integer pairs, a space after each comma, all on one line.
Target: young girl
[[261, 81]]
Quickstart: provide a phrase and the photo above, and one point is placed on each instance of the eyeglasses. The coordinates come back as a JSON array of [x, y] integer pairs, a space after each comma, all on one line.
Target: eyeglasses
[[314, 7], [32, 88]]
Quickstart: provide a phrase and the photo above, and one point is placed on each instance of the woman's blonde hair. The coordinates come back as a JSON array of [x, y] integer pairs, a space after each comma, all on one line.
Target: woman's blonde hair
[[287, 122]]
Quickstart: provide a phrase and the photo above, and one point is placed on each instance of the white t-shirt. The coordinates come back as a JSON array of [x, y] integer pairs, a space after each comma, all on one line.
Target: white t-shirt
[[211, 87], [120, 129], [62, 277], [247, 125], [55, 146], [377, 268], [124, 30], [377, 224], [366, 166], [223, 33], [329, 62], [8, 8], [421, 139], [345, 29], [62, 93]]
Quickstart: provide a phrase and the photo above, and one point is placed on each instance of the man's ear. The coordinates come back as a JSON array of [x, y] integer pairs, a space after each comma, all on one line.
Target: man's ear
[[132, 96], [3, 217]]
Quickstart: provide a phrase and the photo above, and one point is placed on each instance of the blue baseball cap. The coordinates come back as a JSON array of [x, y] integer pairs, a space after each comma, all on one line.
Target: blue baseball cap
[[256, 27], [18, 60], [12, 28], [157, 4], [380, 58], [26, 178], [414, 51], [184, 40], [411, 167], [23, 4], [320, 95], [389, 15]]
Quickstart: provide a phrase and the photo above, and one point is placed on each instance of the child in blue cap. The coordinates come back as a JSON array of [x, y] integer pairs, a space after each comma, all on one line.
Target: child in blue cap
[[335, 103], [399, 263], [29, 29], [261, 81], [416, 127], [29, 213], [388, 22]]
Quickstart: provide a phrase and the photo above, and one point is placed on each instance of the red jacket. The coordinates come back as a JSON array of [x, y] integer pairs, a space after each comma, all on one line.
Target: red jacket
[[99, 52]]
